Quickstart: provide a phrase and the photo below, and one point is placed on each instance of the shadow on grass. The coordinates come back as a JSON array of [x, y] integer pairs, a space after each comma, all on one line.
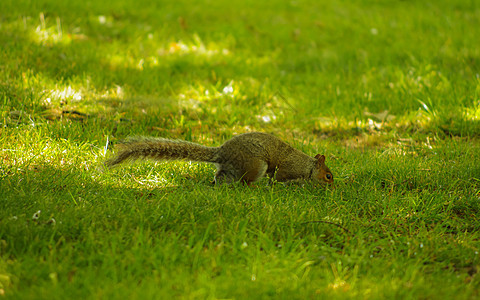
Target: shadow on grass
[[43, 202]]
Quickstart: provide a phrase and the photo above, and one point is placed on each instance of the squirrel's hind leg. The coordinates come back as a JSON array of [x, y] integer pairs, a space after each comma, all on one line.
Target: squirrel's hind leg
[[248, 173], [254, 170], [223, 175]]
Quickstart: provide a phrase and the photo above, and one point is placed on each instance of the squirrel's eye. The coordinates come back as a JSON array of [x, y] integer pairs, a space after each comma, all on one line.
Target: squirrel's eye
[[328, 176]]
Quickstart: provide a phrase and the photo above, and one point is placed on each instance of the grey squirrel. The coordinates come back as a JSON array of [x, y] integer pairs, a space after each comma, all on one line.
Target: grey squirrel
[[246, 157]]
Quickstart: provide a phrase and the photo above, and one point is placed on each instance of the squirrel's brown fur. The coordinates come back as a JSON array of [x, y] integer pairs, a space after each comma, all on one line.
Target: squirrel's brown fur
[[245, 157]]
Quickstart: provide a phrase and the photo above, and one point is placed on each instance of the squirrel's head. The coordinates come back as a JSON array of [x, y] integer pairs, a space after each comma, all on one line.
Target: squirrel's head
[[322, 173]]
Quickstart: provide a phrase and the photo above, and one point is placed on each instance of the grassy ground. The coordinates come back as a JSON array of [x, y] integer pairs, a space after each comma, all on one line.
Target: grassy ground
[[388, 90]]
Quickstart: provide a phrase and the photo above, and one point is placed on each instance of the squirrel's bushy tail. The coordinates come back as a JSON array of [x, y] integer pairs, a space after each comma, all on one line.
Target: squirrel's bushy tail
[[161, 149]]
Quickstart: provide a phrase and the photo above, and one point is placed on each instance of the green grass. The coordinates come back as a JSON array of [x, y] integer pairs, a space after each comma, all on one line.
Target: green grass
[[389, 91]]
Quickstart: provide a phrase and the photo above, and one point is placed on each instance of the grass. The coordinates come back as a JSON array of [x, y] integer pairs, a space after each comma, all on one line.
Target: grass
[[389, 91]]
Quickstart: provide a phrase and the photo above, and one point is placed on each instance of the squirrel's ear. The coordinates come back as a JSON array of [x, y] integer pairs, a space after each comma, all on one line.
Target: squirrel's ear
[[321, 158]]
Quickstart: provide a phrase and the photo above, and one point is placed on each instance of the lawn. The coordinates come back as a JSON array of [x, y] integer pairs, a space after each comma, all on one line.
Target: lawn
[[389, 91]]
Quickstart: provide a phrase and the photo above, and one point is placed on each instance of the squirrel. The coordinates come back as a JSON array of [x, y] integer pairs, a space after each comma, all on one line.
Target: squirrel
[[246, 157]]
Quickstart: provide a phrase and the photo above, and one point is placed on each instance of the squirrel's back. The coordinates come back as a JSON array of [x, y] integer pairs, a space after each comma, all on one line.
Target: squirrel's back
[[255, 145]]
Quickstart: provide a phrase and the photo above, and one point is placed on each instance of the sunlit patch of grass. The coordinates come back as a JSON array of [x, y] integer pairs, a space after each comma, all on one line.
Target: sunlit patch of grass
[[46, 152], [51, 32], [49, 35], [473, 114], [158, 53], [196, 47]]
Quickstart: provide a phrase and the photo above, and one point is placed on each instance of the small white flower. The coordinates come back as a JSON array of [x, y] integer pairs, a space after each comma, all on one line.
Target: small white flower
[[36, 215], [228, 89], [244, 245]]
